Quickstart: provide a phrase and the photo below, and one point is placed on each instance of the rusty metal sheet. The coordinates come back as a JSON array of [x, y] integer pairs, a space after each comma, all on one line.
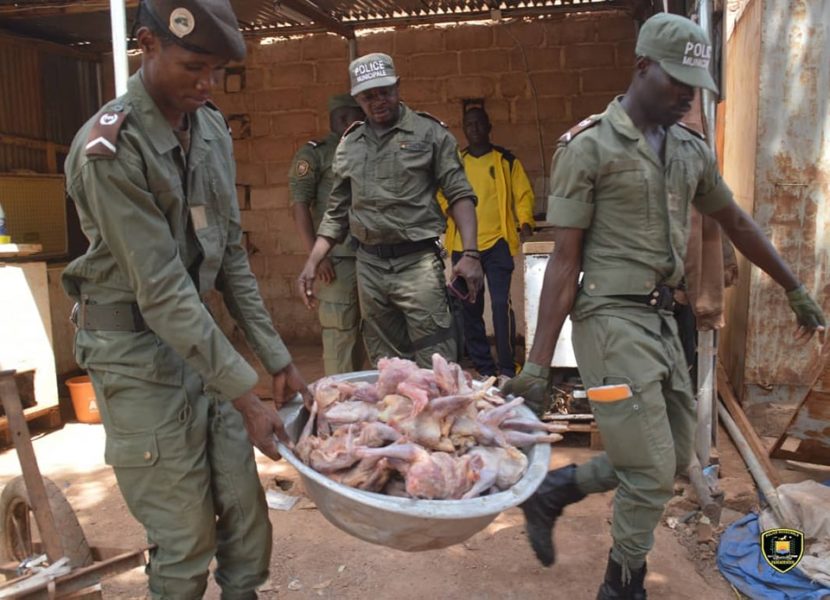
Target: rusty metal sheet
[[792, 184]]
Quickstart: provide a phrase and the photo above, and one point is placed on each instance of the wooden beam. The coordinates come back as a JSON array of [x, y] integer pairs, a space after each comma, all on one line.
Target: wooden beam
[[32, 143], [737, 413], [57, 8], [35, 488], [310, 11]]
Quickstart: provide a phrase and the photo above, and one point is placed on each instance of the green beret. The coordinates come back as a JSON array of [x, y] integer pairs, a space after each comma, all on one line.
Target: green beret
[[205, 26], [342, 101]]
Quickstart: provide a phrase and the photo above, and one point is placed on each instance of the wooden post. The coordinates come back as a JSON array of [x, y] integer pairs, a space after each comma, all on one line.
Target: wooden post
[[38, 499]]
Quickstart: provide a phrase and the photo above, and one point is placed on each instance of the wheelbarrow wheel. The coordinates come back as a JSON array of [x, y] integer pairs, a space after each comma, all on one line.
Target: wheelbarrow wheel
[[18, 529]]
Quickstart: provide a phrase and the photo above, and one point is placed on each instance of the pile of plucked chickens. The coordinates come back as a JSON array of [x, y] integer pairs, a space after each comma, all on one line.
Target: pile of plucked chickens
[[420, 433]]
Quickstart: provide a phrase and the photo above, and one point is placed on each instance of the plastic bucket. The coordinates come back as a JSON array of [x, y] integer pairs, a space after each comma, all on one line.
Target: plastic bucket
[[83, 399]]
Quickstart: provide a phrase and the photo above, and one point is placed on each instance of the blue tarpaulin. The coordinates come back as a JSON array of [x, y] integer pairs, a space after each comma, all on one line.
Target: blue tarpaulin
[[742, 563]]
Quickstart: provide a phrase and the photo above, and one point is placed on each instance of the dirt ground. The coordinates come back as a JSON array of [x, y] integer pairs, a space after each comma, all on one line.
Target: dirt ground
[[313, 559]]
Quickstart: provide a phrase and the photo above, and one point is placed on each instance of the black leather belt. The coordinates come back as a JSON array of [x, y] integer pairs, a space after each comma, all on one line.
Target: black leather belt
[[117, 316], [660, 298], [401, 249]]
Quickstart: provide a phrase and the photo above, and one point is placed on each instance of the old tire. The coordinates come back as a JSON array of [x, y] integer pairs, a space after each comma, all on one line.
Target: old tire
[[18, 527]]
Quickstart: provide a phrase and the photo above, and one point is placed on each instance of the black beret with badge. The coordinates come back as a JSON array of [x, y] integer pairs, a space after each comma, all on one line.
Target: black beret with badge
[[205, 26]]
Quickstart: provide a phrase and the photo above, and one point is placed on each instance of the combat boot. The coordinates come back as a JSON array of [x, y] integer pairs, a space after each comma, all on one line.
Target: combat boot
[[614, 589], [541, 510]]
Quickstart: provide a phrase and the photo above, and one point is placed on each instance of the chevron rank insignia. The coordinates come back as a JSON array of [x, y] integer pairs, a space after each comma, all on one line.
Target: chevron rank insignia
[[104, 133]]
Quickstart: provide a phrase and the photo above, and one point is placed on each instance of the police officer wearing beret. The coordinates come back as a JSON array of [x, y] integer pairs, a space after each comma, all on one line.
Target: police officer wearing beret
[[310, 180], [386, 175], [153, 178], [623, 184]]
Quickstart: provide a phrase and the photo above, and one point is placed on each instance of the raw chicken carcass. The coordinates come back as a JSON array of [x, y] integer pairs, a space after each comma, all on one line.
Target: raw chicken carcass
[[501, 468], [370, 474], [391, 372]]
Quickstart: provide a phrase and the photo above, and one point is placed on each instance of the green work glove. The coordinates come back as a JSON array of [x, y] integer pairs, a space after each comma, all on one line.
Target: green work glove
[[531, 384], [807, 311]]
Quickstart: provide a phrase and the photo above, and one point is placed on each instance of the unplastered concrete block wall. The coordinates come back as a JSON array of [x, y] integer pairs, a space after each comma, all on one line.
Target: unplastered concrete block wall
[[537, 79]]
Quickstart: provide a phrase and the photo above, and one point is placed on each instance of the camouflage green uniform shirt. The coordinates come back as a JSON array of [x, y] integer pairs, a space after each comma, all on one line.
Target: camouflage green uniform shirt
[[164, 228], [385, 183], [310, 181], [635, 208]]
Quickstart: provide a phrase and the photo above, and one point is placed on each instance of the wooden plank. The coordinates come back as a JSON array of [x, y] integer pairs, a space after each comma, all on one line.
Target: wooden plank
[[537, 247], [38, 499], [14, 250], [733, 406], [32, 10]]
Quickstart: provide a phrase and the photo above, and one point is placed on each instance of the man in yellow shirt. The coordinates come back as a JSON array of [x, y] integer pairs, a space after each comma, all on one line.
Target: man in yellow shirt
[[505, 201]]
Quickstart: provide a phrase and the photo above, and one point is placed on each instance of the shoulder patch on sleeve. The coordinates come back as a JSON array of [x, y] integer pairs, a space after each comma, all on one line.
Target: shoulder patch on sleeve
[[103, 137], [351, 128], [692, 130], [583, 125], [433, 117]]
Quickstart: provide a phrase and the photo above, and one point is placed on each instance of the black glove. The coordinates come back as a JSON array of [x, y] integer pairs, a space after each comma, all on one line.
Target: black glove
[[807, 311], [533, 385]]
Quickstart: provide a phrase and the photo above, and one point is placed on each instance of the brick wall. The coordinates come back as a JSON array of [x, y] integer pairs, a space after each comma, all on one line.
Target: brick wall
[[575, 64]]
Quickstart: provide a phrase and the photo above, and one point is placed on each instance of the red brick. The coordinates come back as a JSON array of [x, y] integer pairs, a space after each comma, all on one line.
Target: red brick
[[254, 80], [271, 149], [260, 125], [589, 55], [513, 84], [575, 31], [291, 123], [290, 75], [605, 80], [232, 104], [273, 288], [498, 110], [315, 47], [484, 61], [469, 87], [530, 35], [625, 54], [291, 244], [449, 114], [422, 91], [282, 99], [242, 197], [615, 28], [412, 40], [433, 65], [255, 221], [285, 264], [317, 97], [588, 105], [277, 52], [556, 83], [277, 173], [538, 59], [241, 150], [469, 37], [332, 71], [553, 130], [250, 173], [525, 111], [376, 42]]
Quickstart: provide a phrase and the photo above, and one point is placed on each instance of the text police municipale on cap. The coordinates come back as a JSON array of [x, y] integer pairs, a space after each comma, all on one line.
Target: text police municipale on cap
[[371, 71], [207, 26], [680, 46]]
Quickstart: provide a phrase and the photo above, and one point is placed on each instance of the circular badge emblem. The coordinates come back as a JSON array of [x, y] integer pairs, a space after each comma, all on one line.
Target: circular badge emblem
[[181, 22], [108, 119], [302, 168]]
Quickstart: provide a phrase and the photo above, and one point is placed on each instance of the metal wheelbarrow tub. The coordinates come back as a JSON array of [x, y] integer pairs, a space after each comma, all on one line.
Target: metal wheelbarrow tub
[[406, 523]]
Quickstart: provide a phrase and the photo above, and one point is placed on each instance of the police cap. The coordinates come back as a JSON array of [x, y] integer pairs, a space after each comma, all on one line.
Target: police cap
[[205, 26]]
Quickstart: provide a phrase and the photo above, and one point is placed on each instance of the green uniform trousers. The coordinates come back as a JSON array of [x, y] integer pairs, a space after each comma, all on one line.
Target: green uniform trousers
[[648, 436], [403, 302], [343, 349], [186, 469]]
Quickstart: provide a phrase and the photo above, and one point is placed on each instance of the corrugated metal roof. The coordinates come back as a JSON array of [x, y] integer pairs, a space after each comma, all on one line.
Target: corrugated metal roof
[[85, 23]]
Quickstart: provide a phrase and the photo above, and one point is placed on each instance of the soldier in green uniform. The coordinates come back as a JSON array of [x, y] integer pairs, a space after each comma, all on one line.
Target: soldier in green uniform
[[310, 181], [387, 172], [622, 187], [153, 178]]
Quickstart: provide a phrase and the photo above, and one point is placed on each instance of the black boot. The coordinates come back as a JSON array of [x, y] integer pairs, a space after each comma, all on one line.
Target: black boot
[[541, 510], [613, 589]]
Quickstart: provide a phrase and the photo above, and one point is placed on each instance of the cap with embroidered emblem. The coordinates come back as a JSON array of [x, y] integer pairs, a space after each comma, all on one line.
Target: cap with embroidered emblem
[[680, 46], [371, 71], [206, 26]]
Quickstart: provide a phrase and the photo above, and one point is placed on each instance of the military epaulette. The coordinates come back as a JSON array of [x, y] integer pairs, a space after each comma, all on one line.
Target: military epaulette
[[351, 128], [103, 137], [314, 143], [212, 106], [583, 125], [434, 118], [692, 130]]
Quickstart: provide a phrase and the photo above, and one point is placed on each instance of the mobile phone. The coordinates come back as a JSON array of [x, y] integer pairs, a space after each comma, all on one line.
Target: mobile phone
[[458, 288]]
